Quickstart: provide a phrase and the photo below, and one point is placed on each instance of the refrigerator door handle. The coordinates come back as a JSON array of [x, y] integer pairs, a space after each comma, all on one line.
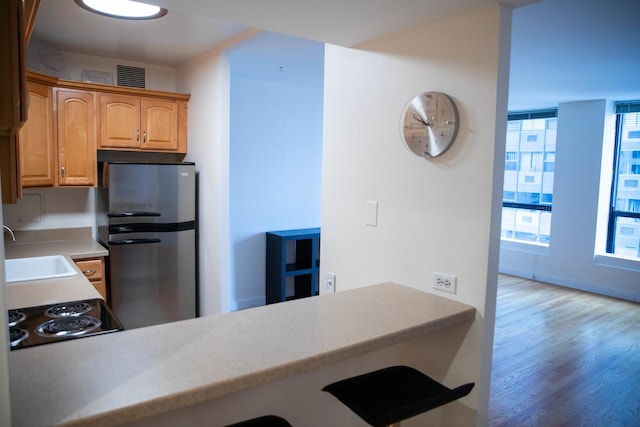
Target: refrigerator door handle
[[133, 241], [131, 214]]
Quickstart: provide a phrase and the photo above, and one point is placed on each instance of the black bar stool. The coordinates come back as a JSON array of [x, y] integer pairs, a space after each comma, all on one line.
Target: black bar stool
[[264, 421], [387, 396]]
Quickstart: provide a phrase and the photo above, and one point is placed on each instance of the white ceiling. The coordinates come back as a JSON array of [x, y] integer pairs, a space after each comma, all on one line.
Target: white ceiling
[[341, 22], [171, 40], [569, 50], [194, 26], [562, 50]]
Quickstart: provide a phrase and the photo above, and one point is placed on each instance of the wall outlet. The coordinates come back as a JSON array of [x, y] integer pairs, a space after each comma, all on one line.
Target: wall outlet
[[444, 282], [330, 283]]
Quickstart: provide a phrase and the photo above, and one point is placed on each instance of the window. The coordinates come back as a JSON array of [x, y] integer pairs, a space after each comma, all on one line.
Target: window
[[549, 161], [528, 176], [623, 236], [511, 161]]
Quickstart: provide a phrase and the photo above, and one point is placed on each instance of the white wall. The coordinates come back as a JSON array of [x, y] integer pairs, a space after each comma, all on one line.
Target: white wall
[[49, 208], [207, 79], [434, 216], [275, 155], [584, 128], [275, 174], [69, 66], [157, 77]]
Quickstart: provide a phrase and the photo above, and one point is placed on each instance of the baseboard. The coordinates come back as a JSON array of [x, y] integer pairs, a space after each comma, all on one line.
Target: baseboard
[[573, 284], [519, 272], [248, 303]]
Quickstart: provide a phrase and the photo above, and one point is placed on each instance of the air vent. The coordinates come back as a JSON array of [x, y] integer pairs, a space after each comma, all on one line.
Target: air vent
[[131, 76]]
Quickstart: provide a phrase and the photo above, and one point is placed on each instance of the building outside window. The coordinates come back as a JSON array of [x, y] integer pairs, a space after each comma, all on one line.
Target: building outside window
[[528, 176], [623, 237]]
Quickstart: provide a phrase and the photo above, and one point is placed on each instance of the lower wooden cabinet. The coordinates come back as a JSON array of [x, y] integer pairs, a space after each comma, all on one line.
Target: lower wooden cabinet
[[93, 269]]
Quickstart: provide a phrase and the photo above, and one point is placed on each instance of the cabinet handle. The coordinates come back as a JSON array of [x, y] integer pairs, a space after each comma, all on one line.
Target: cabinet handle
[[89, 272], [137, 135], [145, 136], [62, 170]]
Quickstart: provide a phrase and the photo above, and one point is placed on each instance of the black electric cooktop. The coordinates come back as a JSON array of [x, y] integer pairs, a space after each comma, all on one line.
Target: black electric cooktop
[[50, 323]]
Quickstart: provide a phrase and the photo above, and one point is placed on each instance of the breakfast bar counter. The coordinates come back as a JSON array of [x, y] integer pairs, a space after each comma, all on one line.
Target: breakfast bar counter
[[126, 376]]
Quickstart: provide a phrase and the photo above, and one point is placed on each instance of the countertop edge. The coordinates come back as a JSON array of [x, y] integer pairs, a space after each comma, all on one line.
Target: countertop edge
[[75, 249]]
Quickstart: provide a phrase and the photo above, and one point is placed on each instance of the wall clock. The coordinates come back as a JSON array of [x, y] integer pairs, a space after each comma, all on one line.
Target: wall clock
[[430, 124]]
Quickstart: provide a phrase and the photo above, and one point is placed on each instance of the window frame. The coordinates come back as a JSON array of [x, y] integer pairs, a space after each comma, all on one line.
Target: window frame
[[614, 214], [542, 205], [530, 115]]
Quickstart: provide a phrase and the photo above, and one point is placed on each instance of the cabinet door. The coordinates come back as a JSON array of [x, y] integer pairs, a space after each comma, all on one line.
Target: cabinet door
[[159, 125], [76, 138], [13, 91], [93, 269], [37, 148], [119, 125]]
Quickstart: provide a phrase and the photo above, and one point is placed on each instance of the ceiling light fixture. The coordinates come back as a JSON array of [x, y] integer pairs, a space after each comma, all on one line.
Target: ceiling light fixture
[[123, 9]]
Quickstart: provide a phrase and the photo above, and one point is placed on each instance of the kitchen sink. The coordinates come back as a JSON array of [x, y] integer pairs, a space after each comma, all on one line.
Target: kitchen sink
[[37, 268]]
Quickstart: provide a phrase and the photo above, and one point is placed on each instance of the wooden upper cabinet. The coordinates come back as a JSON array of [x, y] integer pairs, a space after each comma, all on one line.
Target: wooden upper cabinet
[[69, 121], [138, 123], [160, 125], [77, 157], [119, 121], [36, 142], [13, 92], [13, 81]]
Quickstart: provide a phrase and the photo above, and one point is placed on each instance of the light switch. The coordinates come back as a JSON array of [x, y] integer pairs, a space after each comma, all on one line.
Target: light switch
[[372, 213]]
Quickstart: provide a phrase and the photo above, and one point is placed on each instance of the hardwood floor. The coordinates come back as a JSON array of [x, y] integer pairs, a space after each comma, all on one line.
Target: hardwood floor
[[564, 357]]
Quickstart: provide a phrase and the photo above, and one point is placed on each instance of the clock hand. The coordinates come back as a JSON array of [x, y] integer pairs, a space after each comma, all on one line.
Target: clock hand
[[420, 119]]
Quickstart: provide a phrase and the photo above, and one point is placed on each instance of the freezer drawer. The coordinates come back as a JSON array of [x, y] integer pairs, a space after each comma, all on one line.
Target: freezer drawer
[[152, 277]]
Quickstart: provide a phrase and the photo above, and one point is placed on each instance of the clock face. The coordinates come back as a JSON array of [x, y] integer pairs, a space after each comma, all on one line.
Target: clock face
[[430, 124]]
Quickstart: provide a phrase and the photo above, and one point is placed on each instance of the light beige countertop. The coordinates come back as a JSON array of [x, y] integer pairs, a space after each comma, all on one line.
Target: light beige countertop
[[120, 377], [76, 243], [50, 291], [73, 243]]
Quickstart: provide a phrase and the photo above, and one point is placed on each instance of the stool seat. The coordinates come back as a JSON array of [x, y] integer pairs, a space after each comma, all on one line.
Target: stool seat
[[393, 394], [264, 421]]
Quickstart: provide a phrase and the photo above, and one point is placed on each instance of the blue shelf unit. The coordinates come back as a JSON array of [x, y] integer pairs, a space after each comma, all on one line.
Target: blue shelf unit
[[293, 264]]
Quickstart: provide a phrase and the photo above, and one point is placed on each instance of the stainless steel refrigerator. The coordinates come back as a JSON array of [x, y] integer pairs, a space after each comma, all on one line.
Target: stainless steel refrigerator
[[147, 219]]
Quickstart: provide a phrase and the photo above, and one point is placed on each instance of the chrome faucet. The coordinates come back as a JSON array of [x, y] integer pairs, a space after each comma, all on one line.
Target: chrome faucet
[[13, 236]]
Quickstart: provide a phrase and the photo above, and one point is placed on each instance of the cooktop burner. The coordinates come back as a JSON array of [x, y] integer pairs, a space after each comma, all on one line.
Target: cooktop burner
[[17, 335], [45, 324], [68, 326], [16, 317], [75, 308]]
